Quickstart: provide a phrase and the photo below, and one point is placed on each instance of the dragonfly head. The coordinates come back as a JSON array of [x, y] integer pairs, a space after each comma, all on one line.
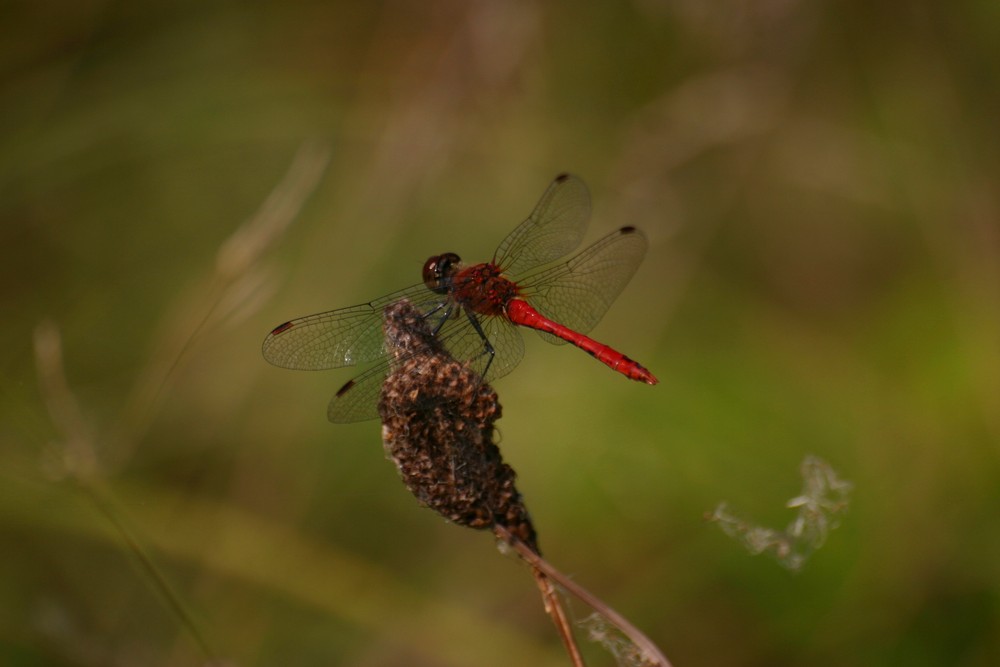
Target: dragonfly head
[[439, 270]]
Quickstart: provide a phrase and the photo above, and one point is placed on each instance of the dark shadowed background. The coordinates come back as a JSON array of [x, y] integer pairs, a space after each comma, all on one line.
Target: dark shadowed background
[[819, 184]]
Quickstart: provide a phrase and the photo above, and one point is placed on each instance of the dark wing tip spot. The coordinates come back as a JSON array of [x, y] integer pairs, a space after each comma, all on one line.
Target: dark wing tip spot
[[562, 177], [281, 328], [343, 390], [628, 230]]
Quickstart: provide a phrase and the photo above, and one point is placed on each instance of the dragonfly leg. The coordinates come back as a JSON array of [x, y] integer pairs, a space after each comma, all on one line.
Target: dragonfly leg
[[487, 345], [448, 312]]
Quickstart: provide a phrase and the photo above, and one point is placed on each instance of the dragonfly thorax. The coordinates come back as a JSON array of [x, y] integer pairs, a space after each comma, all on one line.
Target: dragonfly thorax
[[483, 289]]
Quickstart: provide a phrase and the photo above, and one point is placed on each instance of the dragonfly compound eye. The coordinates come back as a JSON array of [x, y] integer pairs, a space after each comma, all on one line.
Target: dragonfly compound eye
[[439, 270]]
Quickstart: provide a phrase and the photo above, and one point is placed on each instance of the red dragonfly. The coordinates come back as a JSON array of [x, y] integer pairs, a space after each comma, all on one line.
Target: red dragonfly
[[473, 309]]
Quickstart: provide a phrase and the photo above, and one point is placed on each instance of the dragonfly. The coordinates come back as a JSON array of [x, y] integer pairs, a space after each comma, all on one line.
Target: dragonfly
[[476, 310]]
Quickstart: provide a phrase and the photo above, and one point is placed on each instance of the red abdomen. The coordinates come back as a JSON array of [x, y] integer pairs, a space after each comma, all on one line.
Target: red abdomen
[[520, 312]]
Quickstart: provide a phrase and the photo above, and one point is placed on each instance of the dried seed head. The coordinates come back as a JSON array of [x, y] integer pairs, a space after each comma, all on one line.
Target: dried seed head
[[438, 427]]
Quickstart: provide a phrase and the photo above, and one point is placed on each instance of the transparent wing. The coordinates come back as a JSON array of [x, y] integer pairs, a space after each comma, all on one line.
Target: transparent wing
[[342, 337], [554, 229], [578, 292], [358, 399], [465, 344]]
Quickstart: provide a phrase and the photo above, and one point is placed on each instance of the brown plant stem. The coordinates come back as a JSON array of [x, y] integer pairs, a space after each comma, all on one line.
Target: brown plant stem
[[651, 654]]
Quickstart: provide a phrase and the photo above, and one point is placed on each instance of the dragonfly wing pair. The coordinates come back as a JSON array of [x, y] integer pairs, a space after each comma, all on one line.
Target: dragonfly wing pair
[[575, 293]]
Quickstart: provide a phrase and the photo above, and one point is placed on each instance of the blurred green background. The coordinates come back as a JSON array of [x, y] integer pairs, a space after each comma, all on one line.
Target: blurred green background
[[819, 183]]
